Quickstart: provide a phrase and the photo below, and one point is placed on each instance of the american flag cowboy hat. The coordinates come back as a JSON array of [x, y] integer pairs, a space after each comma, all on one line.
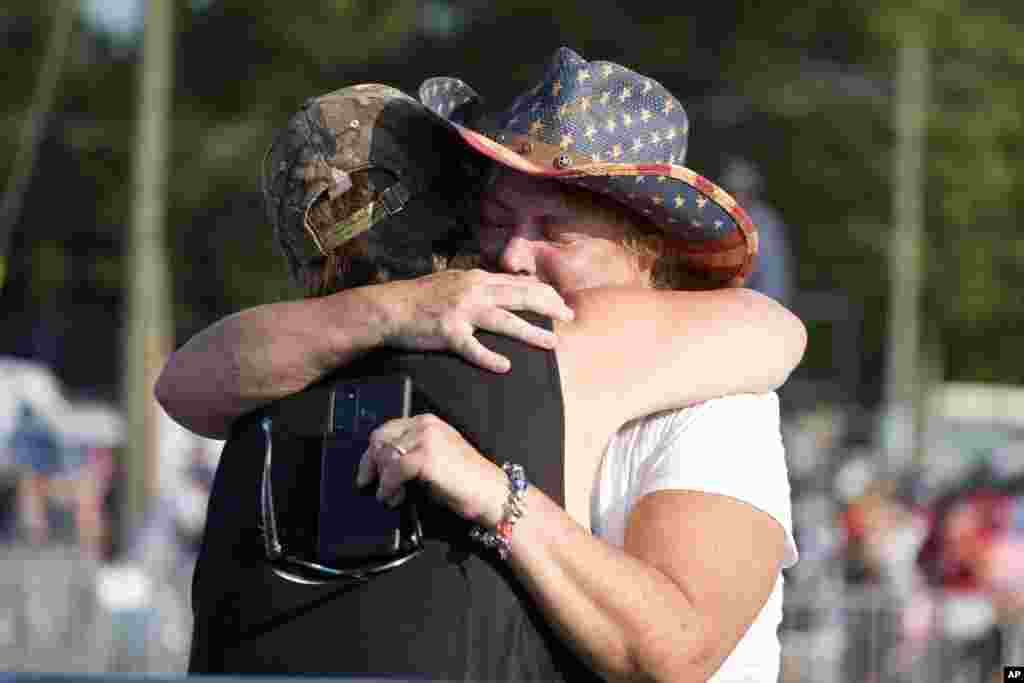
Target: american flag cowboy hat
[[611, 130]]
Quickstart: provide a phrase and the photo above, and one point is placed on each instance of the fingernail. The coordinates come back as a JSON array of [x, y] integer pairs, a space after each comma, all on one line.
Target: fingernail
[[569, 314]]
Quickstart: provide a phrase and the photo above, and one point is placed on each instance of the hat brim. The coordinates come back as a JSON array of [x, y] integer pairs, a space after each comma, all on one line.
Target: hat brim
[[705, 224]]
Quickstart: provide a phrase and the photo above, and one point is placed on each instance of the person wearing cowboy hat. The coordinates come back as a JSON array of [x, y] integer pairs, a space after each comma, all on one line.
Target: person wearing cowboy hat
[[619, 569]]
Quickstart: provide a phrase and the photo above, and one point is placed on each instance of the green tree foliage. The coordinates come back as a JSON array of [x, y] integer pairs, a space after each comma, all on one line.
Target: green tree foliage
[[822, 72], [804, 90]]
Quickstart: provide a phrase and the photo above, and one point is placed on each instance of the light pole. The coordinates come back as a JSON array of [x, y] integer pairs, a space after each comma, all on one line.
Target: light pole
[[147, 331], [904, 393]]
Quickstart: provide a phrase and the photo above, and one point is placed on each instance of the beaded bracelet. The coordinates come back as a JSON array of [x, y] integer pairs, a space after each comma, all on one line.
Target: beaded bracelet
[[501, 538]]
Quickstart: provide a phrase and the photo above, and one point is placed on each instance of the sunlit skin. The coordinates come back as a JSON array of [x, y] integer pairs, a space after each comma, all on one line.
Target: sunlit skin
[[529, 227], [538, 229], [626, 610]]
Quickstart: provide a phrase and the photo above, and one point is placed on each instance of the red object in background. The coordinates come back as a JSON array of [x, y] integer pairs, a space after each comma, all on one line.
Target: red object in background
[[961, 547], [851, 521]]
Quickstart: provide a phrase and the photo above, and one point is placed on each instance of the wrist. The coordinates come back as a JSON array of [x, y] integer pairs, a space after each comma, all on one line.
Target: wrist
[[498, 535], [384, 311], [356, 320], [494, 497]]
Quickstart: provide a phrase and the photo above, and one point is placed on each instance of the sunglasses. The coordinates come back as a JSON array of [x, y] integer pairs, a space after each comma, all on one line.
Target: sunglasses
[[373, 538]]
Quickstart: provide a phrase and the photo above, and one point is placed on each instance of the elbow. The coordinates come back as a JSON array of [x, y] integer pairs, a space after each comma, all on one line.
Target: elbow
[[796, 340], [785, 337], [692, 667], [691, 654], [166, 393], [680, 645], [162, 390], [171, 393]]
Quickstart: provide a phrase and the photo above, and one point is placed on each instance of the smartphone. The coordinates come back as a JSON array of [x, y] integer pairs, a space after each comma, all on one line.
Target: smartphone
[[353, 526]]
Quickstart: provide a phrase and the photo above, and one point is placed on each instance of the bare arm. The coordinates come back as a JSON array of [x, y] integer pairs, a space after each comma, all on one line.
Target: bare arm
[[672, 602], [639, 351], [264, 353], [669, 606], [255, 356], [721, 342]]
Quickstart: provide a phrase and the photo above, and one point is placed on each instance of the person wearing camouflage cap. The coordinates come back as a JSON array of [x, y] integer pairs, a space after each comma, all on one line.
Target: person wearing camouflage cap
[[310, 193], [370, 151]]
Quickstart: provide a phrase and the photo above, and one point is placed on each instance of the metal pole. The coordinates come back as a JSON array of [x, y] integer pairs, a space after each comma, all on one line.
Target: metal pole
[[903, 397], [147, 331]]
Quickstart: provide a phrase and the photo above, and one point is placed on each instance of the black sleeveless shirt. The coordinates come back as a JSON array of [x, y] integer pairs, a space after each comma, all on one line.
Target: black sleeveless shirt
[[455, 612]]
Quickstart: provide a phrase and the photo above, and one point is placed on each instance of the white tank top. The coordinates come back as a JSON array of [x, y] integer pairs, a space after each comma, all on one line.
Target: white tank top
[[700, 448]]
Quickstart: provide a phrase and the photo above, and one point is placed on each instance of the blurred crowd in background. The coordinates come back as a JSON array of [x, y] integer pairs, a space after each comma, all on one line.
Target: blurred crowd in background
[[80, 591], [913, 574], [911, 565], [910, 573], [906, 573]]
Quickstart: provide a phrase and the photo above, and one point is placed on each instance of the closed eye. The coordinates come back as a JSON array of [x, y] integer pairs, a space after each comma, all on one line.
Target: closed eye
[[558, 229]]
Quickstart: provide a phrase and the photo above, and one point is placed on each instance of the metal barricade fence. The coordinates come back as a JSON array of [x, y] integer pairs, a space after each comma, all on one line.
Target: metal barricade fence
[[47, 610], [850, 634], [55, 617], [58, 614]]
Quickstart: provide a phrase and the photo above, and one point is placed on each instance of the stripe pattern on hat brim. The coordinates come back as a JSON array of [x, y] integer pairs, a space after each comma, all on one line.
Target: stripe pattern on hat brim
[[707, 228]]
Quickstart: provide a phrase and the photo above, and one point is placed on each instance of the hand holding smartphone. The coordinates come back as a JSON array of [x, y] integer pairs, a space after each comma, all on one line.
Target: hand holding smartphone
[[353, 526]]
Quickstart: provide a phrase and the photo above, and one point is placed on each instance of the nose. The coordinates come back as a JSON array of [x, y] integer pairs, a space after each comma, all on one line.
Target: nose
[[517, 257]]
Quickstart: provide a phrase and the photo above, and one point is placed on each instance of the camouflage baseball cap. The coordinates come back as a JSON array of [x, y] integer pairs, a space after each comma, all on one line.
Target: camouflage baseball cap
[[405, 149]]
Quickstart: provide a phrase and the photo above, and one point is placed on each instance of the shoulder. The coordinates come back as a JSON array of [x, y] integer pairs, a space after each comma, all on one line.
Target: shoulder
[[728, 415], [761, 409], [729, 446], [661, 433]]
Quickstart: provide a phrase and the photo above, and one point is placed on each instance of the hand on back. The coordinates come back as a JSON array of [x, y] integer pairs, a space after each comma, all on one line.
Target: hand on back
[[441, 311]]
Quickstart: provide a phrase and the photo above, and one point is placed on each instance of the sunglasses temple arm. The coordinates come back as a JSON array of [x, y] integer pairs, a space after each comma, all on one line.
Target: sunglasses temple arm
[[271, 542]]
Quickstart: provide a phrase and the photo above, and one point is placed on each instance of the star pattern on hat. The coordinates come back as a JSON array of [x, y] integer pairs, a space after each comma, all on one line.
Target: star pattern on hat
[[604, 111], [624, 135]]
